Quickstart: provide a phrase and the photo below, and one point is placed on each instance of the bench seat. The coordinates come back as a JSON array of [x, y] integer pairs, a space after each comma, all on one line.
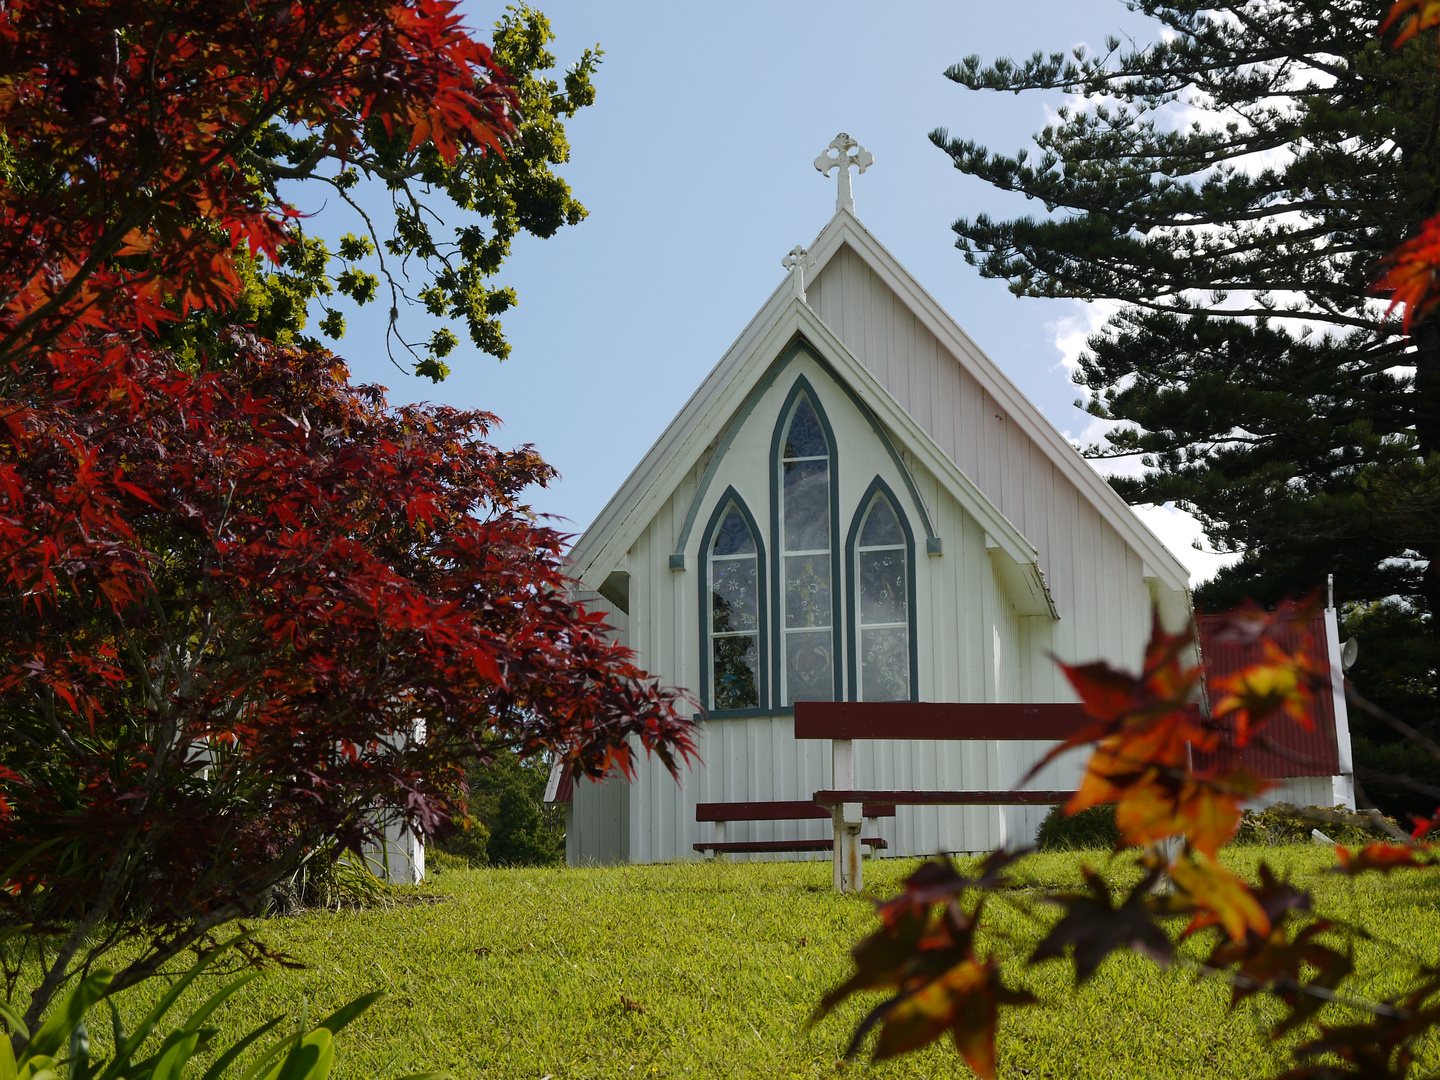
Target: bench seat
[[825, 799], [752, 846], [777, 811], [720, 813]]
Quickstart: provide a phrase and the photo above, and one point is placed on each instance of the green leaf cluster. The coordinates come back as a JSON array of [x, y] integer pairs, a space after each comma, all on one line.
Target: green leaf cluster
[[63, 1043], [437, 232], [508, 824]]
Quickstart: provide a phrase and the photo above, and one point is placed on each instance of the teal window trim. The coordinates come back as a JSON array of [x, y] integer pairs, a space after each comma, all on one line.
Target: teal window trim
[[743, 714], [731, 496], [852, 564], [802, 386], [799, 348]]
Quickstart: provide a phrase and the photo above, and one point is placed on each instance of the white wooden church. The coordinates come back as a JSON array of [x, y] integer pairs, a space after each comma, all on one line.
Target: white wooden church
[[858, 505]]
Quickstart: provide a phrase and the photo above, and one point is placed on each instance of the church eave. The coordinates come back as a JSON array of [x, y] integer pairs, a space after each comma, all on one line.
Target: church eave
[[845, 229]]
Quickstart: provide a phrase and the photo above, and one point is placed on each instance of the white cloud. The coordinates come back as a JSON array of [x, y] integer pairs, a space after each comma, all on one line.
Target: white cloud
[[1178, 531], [1069, 332]]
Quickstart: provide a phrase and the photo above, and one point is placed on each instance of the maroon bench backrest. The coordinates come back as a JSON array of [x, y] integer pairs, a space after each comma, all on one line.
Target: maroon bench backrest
[[774, 811], [937, 720]]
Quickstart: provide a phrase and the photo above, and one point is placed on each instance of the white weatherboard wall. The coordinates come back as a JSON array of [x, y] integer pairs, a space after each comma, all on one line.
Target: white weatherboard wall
[[994, 480]]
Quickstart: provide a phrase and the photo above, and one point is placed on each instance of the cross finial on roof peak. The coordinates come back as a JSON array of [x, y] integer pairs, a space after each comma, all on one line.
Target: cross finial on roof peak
[[862, 159], [797, 262]]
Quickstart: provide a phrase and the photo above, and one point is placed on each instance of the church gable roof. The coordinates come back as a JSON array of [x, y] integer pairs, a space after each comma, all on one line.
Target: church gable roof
[[722, 402], [954, 390], [784, 319]]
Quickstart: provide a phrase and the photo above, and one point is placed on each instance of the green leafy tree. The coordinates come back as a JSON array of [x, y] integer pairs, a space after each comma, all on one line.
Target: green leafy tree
[[508, 823], [417, 252], [1235, 187]]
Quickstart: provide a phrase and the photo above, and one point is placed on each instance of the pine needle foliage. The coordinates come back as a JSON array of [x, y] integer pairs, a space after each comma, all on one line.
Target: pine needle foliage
[[1233, 187]]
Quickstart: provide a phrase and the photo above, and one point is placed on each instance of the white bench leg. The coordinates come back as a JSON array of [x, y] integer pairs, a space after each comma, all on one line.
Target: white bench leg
[[842, 778], [849, 870], [719, 839], [871, 825]]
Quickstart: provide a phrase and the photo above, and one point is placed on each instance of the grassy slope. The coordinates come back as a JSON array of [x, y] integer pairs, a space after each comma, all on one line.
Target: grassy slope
[[518, 973]]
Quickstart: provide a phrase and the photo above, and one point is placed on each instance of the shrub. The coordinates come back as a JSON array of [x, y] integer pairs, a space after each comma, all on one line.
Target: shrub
[[329, 882], [1093, 828], [443, 862], [1287, 824], [508, 824]]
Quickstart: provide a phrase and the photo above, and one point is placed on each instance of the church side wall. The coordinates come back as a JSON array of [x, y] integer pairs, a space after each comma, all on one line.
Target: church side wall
[[597, 827]]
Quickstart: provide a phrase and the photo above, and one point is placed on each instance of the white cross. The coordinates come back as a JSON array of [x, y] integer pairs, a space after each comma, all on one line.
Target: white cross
[[862, 159], [797, 262]]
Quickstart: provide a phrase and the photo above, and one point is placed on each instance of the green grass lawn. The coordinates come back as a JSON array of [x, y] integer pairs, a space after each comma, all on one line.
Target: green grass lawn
[[711, 969]]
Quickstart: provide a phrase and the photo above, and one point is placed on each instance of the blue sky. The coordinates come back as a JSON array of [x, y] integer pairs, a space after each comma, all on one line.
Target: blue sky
[[696, 166]]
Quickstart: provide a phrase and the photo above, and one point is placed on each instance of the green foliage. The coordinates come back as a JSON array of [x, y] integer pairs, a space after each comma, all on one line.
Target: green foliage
[[333, 883], [149, 1052], [1234, 186], [443, 862], [1094, 829], [1383, 768], [508, 824], [520, 836], [1090, 830], [1396, 670], [1395, 666], [491, 200], [1285, 824], [469, 844]]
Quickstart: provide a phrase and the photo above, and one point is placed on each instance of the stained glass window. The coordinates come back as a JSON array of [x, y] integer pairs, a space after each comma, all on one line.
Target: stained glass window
[[734, 614], [883, 604], [807, 632]]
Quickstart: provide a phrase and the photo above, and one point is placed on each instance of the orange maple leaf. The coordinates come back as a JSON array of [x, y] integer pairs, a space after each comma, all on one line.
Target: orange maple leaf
[[1411, 16], [965, 1001], [1204, 810], [1411, 274], [1216, 896], [1377, 856], [1282, 682], [1136, 715]]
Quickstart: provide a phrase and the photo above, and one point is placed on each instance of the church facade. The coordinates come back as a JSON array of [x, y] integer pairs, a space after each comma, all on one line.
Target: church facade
[[857, 504]]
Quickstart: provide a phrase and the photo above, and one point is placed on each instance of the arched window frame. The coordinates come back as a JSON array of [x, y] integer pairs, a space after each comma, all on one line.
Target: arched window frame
[[729, 498], [852, 563], [777, 549]]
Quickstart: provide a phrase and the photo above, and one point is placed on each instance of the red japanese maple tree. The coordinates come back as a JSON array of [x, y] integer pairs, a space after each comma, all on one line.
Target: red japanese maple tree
[[246, 602]]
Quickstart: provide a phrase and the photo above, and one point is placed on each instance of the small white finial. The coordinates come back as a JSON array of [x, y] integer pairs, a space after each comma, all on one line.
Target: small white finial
[[862, 159], [797, 262]]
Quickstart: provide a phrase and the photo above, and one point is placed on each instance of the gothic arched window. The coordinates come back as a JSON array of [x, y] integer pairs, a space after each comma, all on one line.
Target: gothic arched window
[[733, 602], [882, 551], [808, 570]]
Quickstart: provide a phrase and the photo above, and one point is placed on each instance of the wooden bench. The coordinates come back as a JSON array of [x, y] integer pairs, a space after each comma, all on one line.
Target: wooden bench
[[844, 721], [721, 813]]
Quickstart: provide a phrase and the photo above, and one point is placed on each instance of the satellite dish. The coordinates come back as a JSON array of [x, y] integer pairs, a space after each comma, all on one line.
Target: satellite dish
[[1348, 652]]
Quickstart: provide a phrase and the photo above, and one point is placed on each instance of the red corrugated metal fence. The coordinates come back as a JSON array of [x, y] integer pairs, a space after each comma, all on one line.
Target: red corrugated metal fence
[[1301, 752]]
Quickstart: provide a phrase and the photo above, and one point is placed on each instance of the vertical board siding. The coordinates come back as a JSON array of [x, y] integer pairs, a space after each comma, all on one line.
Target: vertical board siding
[[975, 432], [963, 616]]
